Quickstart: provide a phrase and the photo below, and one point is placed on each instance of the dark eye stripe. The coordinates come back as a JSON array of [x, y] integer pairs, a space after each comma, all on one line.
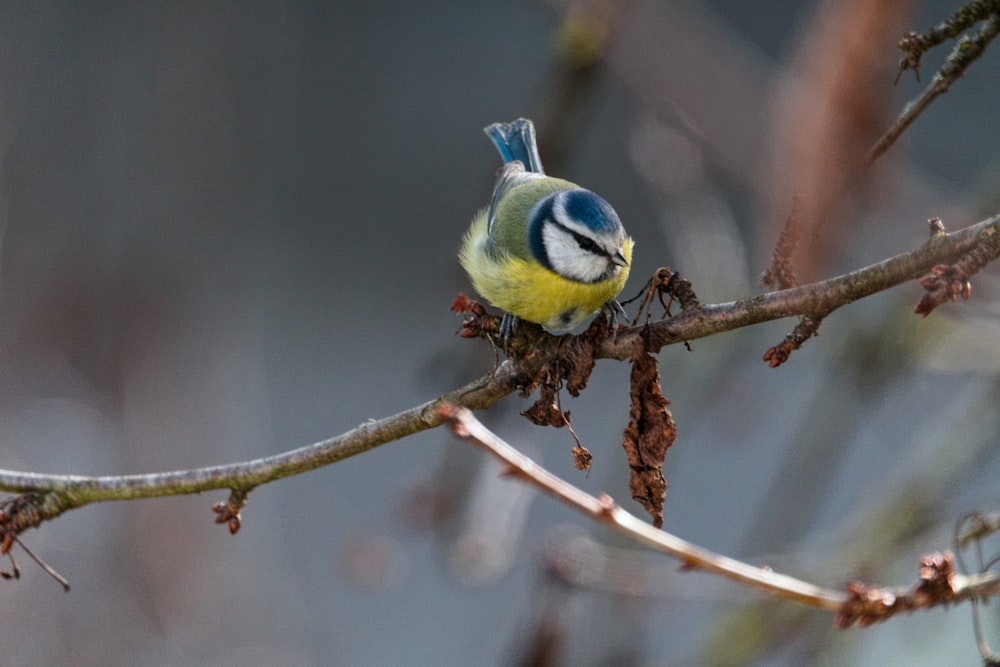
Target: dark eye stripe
[[546, 213], [585, 242]]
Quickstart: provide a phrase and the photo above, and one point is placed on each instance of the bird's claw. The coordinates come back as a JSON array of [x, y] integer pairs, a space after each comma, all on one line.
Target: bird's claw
[[615, 314], [507, 325]]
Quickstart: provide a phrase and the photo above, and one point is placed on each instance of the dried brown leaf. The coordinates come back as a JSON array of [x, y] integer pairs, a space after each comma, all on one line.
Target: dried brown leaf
[[868, 604], [582, 458], [545, 411], [780, 273], [650, 432]]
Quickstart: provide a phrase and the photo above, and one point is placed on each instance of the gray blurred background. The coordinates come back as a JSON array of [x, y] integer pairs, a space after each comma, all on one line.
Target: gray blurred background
[[230, 230]]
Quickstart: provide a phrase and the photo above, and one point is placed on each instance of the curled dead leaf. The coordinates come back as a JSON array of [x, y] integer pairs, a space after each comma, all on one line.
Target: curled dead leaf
[[650, 432]]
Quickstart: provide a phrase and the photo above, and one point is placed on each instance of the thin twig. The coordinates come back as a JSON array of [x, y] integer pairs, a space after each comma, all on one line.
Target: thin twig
[[914, 45], [939, 584], [48, 569], [862, 605], [966, 51], [59, 493], [604, 510]]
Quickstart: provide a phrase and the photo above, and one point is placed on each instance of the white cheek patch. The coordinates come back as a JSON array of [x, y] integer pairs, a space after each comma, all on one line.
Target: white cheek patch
[[571, 261]]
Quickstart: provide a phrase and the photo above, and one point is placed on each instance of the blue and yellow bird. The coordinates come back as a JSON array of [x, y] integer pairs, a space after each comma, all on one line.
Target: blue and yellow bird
[[545, 250]]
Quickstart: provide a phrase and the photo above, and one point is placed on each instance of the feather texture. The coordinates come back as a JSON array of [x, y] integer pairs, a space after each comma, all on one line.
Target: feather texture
[[544, 250]]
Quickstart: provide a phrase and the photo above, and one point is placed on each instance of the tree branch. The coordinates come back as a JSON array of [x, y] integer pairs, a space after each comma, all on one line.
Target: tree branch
[[820, 298], [55, 494], [965, 52], [861, 604], [604, 510]]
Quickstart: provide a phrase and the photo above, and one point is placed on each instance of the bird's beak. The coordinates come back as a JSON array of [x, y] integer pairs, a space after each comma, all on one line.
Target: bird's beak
[[619, 259]]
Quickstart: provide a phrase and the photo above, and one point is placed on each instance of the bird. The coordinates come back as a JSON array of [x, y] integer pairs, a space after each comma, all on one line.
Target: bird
[[544, 250]]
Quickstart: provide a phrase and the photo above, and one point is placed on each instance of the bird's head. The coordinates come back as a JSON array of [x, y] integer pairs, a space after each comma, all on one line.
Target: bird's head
[[577, 234]]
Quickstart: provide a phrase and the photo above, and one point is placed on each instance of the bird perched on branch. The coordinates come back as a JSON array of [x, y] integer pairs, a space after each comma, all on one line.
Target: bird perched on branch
[[545, 250]]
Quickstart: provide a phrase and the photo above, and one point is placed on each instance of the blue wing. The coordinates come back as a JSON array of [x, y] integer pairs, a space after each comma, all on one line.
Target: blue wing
[[516, 141]]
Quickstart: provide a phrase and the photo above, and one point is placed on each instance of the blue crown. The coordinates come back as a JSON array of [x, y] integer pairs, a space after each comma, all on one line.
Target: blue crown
[[592, 211]]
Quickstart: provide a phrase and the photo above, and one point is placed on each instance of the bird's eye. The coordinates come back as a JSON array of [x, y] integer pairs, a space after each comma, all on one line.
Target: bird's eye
[[586, 243]]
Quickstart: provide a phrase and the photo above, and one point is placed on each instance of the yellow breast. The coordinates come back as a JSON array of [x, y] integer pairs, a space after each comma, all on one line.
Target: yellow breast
[[530, 291]]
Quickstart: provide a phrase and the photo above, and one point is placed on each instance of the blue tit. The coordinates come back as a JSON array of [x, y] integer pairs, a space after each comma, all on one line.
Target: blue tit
[[545, 250]]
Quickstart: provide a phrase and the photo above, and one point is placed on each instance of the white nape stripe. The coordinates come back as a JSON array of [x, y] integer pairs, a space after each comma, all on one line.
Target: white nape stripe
[[565, 219]]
